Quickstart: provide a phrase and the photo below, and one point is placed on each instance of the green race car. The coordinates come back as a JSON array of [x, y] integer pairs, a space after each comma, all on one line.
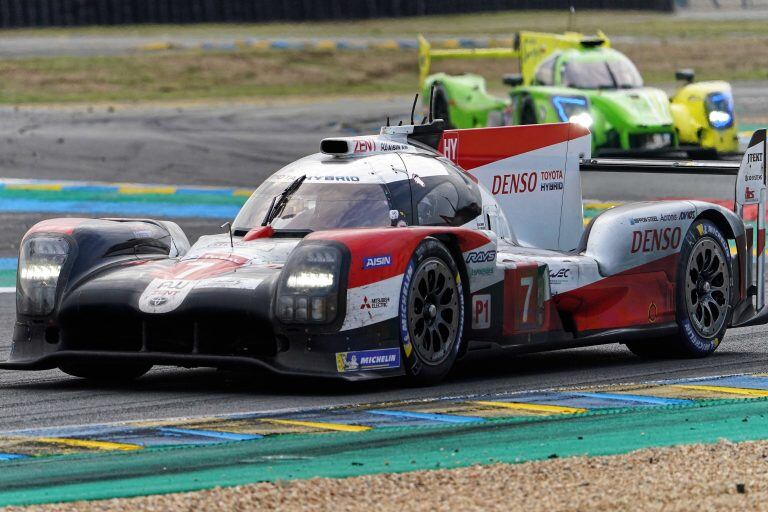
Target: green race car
[[581, 79]]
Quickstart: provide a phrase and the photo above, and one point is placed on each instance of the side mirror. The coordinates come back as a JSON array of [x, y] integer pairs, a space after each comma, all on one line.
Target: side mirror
[[686, 75], [512, 79]]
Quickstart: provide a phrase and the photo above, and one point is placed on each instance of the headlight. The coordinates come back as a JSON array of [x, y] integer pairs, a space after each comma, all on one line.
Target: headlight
[[584, 119], [40, 262], [719, 107], [573, 109], [309, 287]]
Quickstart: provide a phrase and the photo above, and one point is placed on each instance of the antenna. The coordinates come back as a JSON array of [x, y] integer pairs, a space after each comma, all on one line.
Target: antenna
[[228, 225], [387, 120], [413, 108], [431, 97], [571, 16], [423, 119]]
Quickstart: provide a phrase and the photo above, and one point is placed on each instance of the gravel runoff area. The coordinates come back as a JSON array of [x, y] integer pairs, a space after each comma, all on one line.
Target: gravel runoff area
[[724, 476]]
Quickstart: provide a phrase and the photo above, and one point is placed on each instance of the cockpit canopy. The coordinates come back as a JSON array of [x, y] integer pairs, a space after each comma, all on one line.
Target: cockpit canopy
[[415, 188], [598, 68]]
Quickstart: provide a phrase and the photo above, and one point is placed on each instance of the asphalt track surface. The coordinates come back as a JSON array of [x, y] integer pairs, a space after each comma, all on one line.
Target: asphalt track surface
[[238, 146]]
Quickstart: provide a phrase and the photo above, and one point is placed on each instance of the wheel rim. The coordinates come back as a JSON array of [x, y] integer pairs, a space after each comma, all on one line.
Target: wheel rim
[[707, 287], [433, 311]]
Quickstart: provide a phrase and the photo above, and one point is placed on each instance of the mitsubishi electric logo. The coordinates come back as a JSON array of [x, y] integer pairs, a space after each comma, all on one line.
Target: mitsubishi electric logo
[[375, 303]]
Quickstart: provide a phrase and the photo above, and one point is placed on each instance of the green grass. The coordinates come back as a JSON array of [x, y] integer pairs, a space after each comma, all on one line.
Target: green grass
[[503, 23], [730, 50], [202, 75], [252, 74]]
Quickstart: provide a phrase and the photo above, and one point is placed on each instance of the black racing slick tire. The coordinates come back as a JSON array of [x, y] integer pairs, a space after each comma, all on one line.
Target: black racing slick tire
[[704, 297], [440, 106], [106, 372], [528, 111], [431, 313]]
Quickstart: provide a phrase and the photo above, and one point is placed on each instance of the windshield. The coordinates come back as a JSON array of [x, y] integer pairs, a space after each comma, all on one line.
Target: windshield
[[601, 74], [317, 206]]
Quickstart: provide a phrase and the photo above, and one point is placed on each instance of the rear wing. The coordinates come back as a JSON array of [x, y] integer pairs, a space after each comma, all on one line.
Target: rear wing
[[749, 189], [530, 48]]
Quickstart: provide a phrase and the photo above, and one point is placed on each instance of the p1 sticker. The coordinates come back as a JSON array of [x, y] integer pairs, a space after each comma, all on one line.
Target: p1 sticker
[[368, 360], [481, 311]]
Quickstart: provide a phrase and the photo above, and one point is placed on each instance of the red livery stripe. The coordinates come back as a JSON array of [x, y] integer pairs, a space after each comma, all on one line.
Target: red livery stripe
[[640, 296], [397, 243], [480, 146]]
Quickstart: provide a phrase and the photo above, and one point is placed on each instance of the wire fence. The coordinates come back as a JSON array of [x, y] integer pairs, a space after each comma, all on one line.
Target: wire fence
[[47, 13]]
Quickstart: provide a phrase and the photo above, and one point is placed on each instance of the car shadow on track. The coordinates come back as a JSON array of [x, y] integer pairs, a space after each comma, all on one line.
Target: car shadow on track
[[476, 373]]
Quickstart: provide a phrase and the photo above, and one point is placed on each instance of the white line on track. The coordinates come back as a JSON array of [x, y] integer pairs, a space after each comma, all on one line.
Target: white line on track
[[7, 289]]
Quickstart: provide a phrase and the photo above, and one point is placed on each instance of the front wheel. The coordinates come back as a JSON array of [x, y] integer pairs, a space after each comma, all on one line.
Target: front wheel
[[106, 372], [704, 296], [431, 313]]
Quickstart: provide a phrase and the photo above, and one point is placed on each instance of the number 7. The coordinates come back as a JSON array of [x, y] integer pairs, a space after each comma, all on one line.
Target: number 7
[[528, 283]]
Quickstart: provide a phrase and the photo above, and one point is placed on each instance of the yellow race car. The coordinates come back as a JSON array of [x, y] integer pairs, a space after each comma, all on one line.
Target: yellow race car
[[579, 78]]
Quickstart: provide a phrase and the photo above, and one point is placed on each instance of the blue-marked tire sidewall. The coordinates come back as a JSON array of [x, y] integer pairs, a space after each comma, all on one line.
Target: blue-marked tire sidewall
[[413, 365], [693, 342]]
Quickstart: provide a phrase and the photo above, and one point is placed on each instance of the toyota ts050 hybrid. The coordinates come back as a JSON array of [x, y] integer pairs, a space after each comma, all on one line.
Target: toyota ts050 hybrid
[[394, 255]]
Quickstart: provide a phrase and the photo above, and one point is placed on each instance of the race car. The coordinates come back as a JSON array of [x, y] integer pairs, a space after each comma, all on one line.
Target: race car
[[578, 78], [394, 255]]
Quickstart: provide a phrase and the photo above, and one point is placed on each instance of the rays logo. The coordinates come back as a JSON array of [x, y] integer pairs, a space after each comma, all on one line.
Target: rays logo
[[481, 256]]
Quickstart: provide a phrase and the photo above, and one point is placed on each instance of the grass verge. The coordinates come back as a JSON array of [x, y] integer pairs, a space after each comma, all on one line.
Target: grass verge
[[245, 73]]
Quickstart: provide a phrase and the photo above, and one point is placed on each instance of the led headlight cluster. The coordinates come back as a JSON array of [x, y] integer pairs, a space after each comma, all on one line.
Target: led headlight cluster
[[40, 262], [719, 107], [573, 109], [309, 287]]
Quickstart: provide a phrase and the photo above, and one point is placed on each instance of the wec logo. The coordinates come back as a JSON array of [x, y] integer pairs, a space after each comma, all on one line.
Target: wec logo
[[563, 273], [480, 256]]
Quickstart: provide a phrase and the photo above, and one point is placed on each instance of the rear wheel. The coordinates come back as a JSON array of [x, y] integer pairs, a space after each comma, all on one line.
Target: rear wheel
[[106, 372], [431, 313], [704, 297]]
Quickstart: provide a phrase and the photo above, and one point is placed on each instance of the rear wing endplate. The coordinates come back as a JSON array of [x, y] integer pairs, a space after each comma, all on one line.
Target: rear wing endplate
[[749, 189]]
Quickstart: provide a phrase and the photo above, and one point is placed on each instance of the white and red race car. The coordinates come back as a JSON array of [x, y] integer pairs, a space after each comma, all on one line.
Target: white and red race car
[[393, 255]]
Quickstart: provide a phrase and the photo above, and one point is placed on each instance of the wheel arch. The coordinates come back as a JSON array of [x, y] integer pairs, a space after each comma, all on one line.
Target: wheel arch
[[733, 229], [451, 242]]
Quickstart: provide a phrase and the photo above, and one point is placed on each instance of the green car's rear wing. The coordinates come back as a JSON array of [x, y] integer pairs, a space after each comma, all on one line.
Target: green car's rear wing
[[749, 189], [530, 47]]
